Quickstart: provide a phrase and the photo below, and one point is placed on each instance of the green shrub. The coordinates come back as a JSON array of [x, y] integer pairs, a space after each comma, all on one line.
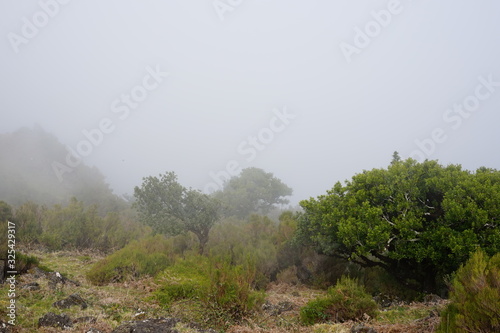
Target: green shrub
[[186, 278], [148, 256], [230, 295], [347, 300], [223, 292], [475, 297], [25, 262]]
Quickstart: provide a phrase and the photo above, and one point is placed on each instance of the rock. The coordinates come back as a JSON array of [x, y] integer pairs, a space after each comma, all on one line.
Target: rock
[[140, 314], [38, 273], [5, 327], [361, 328], [31, 286], [387, 301], [432, 299], [56, 278], [53, 320], [73, 299], [161, 325], [93, 330], [197, 327], [165, 325], [275, 310], [284, 307]]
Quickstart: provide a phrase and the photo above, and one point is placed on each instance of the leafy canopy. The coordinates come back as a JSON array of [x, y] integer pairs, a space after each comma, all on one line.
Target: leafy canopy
[[419, 221], [171, 209], [253, 191]]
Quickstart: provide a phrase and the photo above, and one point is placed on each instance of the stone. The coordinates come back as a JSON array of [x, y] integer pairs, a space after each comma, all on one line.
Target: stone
[[53, 320], [93, 330], [56, 278], [165, 325], [361, 328], [275, 310], [72, 300], [432, 299], [5, 327], [31, 286], [161, 325]]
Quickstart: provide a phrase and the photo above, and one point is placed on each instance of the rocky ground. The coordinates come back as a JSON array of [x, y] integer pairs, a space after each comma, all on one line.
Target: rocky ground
[[64, 300]]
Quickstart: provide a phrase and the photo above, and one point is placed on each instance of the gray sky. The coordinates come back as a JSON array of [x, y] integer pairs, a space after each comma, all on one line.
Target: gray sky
[[312, 91]]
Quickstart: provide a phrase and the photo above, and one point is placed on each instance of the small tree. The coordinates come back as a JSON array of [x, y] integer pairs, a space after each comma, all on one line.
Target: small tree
[[253, 191], [171, 209], [418, 221]]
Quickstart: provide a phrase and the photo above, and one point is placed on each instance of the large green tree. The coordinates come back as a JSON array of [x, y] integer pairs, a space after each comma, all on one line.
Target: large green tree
[[419, 221], [170, 208], [253, 191]]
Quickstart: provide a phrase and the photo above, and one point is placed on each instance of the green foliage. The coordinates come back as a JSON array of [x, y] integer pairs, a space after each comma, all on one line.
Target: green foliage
[[139, 258], [378, 281], [253, 191], [419, 221], [5, 216], [347, 300], [230, 295], [25, 262], [223, 291], [75, 226], [475, 297], [254, 240], [29, 217], [172, 209], [184, 279], [405, 314]]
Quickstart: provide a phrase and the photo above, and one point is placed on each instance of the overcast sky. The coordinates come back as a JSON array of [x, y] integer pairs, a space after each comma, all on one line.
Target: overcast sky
[[312, 91]]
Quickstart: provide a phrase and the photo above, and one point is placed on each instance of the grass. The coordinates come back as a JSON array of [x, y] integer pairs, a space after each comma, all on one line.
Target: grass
[[405, 314], [111, 304]]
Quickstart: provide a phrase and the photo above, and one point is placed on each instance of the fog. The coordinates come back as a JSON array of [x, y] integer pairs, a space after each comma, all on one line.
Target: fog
[[312, 91]]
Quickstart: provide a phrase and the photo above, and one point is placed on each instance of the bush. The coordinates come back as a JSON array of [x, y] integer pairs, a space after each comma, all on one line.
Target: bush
[[185, 279], [230, 296], [222, 292], [25, 262], [347, 300], [475, 297], [148, 256]]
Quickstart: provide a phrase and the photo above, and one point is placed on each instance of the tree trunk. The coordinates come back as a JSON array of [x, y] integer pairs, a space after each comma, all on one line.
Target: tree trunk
[[203, 239]]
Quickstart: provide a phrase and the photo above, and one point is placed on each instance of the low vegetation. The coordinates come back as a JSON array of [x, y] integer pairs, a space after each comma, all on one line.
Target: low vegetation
[[219, 293], [373, 253], [475, 297], [345, 301], [145, 257]]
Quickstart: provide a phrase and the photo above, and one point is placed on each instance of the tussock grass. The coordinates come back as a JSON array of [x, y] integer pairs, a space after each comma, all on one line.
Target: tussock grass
[[117, 302]]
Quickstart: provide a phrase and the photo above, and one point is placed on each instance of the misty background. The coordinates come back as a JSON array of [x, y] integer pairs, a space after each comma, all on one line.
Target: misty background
[[228, 77]]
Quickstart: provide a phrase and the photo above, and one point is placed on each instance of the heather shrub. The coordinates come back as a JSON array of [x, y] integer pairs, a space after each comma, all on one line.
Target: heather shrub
[[146, 257], [230, 295], [347, 300], [222, 292], [475, 297]]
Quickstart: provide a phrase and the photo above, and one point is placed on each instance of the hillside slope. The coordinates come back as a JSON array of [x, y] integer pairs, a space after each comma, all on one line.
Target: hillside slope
[[29, 164]]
